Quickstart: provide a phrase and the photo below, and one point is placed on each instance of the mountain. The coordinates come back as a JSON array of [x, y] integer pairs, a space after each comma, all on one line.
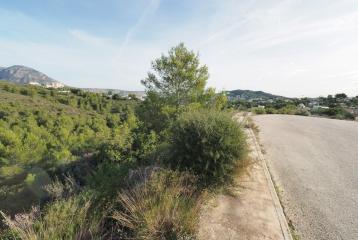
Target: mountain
[[249, 94], [26, 75]]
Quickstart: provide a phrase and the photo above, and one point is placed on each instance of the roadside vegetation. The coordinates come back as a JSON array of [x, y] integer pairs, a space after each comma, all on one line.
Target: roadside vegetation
[[339, 106], [79, 165]]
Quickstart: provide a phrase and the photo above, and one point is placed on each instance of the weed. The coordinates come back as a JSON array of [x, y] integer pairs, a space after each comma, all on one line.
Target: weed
[[250, 124]]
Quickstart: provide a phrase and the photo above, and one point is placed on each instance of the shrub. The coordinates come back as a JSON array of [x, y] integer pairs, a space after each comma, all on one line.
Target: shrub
[[334, 112], [106, 179], [111, 151], [302, 112], [338, 112], [144, 145], [259, 110], [208, 143], [163, 207], [36, 180], [57, 189], [10, 171], [289, 109], [270, 110], [115, 151]]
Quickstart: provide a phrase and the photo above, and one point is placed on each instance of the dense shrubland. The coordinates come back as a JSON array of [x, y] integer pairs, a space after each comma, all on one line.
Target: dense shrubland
[[41, 134], [98, 167]]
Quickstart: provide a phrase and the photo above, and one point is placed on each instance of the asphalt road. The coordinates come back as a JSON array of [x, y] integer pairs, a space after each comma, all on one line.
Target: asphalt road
[[314, 161]]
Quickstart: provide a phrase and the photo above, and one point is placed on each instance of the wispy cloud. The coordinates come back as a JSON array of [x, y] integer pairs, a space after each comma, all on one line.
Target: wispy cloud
[[296, 32], [150, 9], [89, 39], [269, 27], [288, 47]]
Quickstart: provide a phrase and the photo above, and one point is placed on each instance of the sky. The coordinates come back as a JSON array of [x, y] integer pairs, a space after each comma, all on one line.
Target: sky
[[292, 48]]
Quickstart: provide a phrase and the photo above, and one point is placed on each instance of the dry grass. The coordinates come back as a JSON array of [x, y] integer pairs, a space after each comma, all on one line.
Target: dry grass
[[68, 218], [59, 190], [166, 206], [244, 168], [250, 124]]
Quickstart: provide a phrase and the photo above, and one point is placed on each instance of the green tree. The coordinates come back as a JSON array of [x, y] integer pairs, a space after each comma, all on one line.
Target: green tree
[[341, 95], [178, 77], [331, 101], [214, 100], [132, 96], [116, 96]]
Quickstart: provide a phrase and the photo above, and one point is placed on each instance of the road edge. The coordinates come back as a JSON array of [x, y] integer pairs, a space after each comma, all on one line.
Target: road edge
[[277, 204]]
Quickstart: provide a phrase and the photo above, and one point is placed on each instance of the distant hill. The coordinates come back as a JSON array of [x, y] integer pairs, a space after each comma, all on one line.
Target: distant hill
[[139, 94], [26, 75], [249, 94]]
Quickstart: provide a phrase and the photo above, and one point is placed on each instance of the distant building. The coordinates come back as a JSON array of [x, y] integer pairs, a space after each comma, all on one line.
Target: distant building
[[34, 83], [313, 104], [301, 106], [316, 107], [142, 97], [54, 85]]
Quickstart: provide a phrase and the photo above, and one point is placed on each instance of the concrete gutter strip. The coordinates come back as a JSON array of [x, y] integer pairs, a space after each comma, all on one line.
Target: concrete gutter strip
[[279, 210]]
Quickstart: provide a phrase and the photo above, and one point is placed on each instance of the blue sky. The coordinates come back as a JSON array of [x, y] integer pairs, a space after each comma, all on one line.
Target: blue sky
[[288, 47]]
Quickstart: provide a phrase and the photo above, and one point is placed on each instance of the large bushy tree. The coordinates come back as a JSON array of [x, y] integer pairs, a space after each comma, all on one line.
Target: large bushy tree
[[175, 84], [177, 77]]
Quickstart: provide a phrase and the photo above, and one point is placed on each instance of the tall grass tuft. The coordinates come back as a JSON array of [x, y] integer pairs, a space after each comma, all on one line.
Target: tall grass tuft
[[165, 206], [62, 219]]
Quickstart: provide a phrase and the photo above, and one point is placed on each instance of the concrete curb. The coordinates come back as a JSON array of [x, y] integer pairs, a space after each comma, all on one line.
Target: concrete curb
[[278, 208]]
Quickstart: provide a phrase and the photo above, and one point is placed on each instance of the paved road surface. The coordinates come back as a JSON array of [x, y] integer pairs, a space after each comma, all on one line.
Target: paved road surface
[[315, 163]]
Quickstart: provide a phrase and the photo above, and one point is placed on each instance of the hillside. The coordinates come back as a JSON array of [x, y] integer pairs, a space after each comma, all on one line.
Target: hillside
[[26, 75], [43, 131], [249, 94]]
